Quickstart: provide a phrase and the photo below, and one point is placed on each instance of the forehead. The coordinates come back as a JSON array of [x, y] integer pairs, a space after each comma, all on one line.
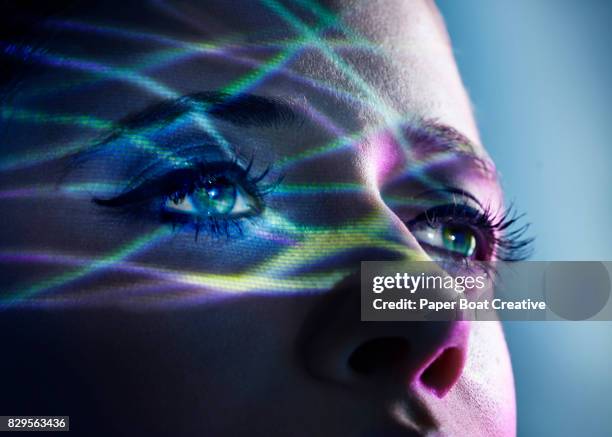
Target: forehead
[[356, 66]]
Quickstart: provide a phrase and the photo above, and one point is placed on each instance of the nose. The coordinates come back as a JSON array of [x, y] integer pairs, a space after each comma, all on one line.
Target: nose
[[422, 357], [337, 347]]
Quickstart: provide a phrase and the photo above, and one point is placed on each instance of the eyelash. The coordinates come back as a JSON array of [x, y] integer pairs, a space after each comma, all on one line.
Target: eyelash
[[504, 235], [179, 183]]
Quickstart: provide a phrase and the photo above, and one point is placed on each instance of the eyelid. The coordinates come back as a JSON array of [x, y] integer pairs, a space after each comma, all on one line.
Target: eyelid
[[507, 239], [182, 179], [455, 211], [453, 191], [149, 189]]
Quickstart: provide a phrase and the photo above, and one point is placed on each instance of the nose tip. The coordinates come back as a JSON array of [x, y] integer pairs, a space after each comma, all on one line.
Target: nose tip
[[422, 357], [390, 356]]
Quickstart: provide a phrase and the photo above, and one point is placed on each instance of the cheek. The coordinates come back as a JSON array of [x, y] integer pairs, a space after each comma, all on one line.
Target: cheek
[[483, 400], [488, 384]]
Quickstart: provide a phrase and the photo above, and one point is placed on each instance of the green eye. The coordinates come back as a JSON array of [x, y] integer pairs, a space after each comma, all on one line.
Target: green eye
[[215, 198], [218, 197], [459, 239], [455, 239]]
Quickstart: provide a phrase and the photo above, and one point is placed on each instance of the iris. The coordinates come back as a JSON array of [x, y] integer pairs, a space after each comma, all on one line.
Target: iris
[[215, 197], [459, 239]]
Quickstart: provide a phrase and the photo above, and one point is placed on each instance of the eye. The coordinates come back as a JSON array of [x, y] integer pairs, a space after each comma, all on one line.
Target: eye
[[456, 231], [456, 239], [459, 230], [213, 197]]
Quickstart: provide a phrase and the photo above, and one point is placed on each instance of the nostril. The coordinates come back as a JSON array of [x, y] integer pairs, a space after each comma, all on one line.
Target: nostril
[[380, 354], [443, 372]]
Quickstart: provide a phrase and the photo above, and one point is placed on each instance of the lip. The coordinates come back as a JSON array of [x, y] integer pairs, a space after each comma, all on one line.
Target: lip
[[404, 421], [397, 430]]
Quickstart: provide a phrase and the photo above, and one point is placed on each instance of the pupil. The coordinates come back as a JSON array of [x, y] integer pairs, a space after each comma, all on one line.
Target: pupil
[[213, 193]]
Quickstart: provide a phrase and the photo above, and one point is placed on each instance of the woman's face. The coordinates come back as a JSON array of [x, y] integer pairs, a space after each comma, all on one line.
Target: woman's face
[[188, 192]]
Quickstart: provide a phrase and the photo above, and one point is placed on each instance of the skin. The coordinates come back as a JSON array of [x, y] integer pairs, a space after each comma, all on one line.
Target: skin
[[225, 335]]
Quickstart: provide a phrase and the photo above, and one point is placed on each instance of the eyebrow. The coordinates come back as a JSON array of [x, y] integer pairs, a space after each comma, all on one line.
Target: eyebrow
[[431, 136], [240, 109], [247, 110]]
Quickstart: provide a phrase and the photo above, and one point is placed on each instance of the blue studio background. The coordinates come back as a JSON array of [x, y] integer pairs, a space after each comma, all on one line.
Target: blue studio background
[[538, 72]]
